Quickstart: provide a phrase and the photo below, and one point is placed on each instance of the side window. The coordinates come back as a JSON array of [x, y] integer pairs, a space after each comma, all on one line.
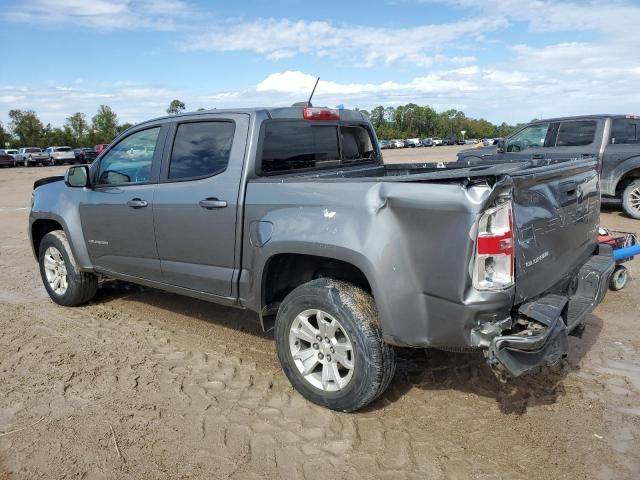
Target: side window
[[130, 160], [576, 133], [625, 131], [356, 143], [200, 149], [533, 136]]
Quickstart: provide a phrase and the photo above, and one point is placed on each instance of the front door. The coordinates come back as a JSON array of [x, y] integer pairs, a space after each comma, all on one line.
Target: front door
[[117, 216], [528, 143], [195, 204]]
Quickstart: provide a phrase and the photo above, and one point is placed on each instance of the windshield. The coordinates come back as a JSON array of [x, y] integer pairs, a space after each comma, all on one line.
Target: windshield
[[32, 150], [62, 149]]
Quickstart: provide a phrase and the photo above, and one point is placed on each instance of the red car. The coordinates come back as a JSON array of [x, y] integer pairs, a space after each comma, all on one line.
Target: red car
[[7, 160], [100, 147]]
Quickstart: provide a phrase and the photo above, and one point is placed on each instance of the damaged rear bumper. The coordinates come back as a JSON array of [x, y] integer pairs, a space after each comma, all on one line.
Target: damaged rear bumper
[[543, 325]]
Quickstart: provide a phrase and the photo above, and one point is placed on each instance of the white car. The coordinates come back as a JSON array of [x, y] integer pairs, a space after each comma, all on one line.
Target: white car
[[60, 155], [398, 143], [9, 151], [437, 142]]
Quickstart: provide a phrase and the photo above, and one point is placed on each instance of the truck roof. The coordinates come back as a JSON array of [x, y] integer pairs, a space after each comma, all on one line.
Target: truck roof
[[293, 113], [581, 117]]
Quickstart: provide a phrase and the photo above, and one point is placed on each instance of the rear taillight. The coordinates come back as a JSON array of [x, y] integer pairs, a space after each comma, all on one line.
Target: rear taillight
[[494, 262], [316, 113]]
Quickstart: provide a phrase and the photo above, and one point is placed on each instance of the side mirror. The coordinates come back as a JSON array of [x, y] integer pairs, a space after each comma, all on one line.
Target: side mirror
[[501, 144], [77, 176]]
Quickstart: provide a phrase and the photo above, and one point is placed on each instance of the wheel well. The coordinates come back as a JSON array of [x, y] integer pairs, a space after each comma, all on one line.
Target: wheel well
[[284, 272], [39, 229], [626, 179]]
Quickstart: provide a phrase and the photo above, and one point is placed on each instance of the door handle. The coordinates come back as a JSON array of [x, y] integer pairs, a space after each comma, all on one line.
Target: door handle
[[212, 203], [137, 203]]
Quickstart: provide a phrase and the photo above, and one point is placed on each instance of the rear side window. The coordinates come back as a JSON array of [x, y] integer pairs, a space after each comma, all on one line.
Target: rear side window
[[625, 131], [200, 149], [576, 133], [291, 146]]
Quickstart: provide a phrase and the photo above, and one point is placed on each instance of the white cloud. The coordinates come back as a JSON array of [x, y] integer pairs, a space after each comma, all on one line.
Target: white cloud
[[102, 14], [368, 46]]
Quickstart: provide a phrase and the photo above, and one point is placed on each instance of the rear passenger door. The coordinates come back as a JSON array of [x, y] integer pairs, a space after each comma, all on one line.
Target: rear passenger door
[[622, 152], [575, 139], [196, 202]]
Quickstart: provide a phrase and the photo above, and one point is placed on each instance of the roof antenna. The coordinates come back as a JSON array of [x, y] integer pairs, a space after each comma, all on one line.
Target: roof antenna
[[308, 102]]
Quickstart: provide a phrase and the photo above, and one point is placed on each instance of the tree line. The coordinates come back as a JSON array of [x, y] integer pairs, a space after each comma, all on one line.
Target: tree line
[[411, 121], [25, 129], [404, 121]]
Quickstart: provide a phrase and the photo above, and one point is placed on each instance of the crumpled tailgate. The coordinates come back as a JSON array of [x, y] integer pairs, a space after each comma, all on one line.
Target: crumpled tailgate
[[556, 212]]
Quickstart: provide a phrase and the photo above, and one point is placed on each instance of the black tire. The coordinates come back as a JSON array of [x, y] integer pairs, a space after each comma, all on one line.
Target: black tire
[[619, 278], [374, 361], [82, 286], [631, 199]]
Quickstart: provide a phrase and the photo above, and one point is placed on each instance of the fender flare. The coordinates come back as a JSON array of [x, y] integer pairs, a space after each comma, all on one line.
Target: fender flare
[[619, 172]]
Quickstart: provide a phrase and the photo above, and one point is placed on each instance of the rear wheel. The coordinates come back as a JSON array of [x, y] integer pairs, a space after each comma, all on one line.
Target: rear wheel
[[65, 284], [631, 199], [330, 346]]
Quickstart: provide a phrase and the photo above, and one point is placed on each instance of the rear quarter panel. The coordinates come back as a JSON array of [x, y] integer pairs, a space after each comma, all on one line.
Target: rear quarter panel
[[413, 241]]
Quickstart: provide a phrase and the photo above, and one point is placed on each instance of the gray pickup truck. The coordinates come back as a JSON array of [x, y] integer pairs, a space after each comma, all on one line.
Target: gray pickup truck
[[291, 213], [613, 139], [29, 156]]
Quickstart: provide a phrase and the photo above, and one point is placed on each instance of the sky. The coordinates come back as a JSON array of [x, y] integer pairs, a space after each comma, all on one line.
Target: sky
[[503, 60]]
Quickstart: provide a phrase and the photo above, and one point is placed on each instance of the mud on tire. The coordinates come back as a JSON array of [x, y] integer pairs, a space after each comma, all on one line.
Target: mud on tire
[[81, 286], [373, 361]]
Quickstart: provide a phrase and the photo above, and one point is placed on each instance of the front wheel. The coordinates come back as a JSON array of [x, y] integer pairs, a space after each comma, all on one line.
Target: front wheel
[[65, 284], [330, 345], [631, 199]]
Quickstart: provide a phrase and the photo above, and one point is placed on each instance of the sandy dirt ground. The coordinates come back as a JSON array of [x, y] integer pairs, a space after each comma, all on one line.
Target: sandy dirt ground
[[141, 384]]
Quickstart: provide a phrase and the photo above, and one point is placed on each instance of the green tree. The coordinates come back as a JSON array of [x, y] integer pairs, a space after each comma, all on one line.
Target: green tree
[[77, 124], [123, 127], [5, 136], [104, 125], [26, 127], [176, 106]]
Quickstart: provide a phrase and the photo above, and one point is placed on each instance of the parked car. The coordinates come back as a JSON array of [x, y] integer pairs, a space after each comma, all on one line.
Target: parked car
[[413, 142], [85, 155], [329, 245], [398, 143], [7, 160], [461, 142], [613, 139], [100, 147], [437, 142], [59, 155], [29, 156], [9, 151], [427, 142]]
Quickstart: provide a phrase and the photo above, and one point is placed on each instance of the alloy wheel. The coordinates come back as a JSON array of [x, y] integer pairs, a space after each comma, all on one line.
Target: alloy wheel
[[56, 271], [321, 350]]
